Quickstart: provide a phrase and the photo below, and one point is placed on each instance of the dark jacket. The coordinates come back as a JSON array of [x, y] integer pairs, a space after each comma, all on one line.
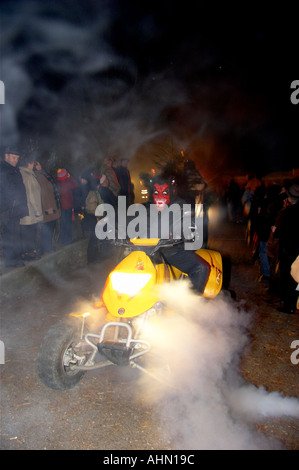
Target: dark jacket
[[288, 233], [49, 192], [107, 196], [13, 200], [124, 178]]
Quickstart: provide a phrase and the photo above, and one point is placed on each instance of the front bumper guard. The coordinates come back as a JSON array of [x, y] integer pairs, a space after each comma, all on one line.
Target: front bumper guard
[[118, 351]]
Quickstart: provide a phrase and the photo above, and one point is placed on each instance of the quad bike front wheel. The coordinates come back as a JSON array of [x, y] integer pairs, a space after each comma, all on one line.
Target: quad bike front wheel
[[59, 357]]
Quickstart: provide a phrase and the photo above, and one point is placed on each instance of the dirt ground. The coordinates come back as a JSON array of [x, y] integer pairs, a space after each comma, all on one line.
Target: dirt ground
[[100, 412], [268, 361]]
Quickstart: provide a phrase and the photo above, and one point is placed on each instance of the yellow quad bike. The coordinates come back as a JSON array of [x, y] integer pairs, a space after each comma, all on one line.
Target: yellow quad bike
[[112, 332]]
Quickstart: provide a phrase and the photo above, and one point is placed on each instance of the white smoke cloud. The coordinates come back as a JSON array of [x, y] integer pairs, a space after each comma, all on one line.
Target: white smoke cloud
[[204, 403]]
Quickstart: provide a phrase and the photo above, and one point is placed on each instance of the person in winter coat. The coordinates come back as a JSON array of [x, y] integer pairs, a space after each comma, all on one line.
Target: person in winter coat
[[188, 261], [50, 207], [13, 206], [90, 199], [106, 248], [106, 193], [288, 233], [193, 184], [192, 189], [113, 183], [263, 223], [249, 190], [66, 185], [29, 223], [124, 179], [80, 193]]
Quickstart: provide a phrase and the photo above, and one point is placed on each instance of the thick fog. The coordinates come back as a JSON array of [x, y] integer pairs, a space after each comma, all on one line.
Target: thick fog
[[201, 398]]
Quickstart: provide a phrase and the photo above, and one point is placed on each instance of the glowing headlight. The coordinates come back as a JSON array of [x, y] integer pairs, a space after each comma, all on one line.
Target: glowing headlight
[[129, 283]]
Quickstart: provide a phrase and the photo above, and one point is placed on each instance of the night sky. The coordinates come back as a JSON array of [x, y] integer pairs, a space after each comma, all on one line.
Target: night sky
[[85, 79]]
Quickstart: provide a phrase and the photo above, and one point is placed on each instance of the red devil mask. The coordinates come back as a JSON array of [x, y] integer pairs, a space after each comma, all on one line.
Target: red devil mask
[[161, 196]]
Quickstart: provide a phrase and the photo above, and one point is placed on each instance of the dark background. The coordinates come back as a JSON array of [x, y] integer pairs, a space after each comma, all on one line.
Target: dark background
[[86, 79]]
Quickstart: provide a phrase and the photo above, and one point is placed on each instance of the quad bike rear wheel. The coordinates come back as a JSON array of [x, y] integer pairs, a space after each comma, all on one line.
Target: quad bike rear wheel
[[59, 358]]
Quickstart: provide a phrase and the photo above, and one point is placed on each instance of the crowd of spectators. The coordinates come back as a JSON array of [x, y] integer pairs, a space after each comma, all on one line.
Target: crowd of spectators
[[37, 210], [272, 215]]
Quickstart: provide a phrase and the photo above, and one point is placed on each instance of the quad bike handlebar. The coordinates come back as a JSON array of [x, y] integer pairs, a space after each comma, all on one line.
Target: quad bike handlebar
[[156, 244]]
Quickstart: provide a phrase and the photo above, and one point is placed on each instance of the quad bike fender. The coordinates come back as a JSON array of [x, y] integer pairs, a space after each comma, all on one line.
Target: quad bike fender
[[215, 279]]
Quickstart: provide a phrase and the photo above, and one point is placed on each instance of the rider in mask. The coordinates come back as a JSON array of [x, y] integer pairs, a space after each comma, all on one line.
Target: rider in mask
[[161, 195], [186, 260]]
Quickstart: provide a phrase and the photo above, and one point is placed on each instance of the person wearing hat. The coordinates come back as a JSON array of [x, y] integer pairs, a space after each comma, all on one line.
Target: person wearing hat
[[89, 199], [50, 207], [30, 223], [13, 206], [289, 249], [66, 185]]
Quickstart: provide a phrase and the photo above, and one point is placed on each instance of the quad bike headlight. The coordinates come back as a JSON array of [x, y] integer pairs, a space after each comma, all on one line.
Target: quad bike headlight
[[129, 283]]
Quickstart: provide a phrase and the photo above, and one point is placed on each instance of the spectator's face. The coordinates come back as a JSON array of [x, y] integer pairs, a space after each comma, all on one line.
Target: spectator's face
[[12, 159]]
